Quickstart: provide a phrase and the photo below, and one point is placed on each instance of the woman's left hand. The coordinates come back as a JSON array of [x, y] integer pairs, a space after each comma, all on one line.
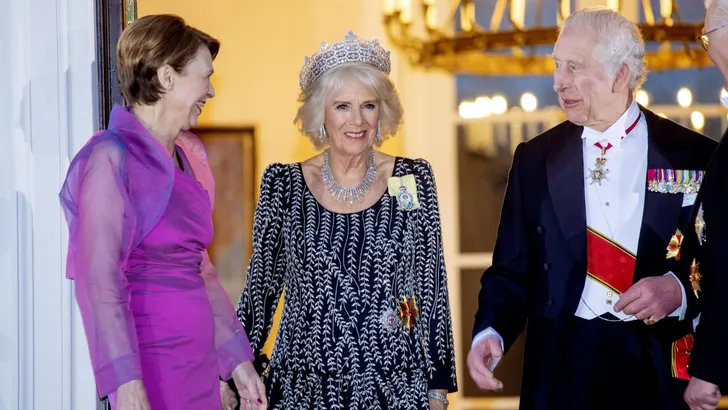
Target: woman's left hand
[[436, 404], [250, 387]]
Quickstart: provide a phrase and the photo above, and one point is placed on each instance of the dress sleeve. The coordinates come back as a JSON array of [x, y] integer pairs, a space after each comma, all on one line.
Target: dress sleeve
[[434, 301], [101, 223], [231, 341], [267, 269]]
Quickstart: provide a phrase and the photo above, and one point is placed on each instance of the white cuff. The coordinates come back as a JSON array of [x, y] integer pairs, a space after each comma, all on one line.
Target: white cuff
[[680, 312], [484, 334], [696, 322]]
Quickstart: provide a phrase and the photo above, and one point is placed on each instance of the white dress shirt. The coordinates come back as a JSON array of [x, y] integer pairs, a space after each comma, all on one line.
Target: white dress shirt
[[615, 207]]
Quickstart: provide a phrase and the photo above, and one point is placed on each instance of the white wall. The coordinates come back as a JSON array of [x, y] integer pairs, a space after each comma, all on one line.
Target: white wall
[[47, 105]]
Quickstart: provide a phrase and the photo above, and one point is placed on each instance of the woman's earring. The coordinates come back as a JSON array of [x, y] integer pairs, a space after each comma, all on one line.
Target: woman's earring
[[322, 134], [379, 135]]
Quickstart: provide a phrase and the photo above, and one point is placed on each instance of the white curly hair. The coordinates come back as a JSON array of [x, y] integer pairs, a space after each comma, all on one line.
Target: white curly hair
[[719, 7], [619, 41]]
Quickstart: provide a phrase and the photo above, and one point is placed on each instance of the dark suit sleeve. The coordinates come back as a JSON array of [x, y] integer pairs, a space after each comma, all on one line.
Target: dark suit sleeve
[[682, 272], [503, 298], [708, 358], [704, 150]]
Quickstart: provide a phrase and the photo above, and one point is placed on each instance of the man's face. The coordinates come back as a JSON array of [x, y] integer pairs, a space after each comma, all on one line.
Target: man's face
[[585, 90], [716, 33]]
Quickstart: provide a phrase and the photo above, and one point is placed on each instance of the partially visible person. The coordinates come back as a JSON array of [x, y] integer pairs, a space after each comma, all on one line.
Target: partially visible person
[[160, 328], [583, 255], [705, 246], [354, 236]]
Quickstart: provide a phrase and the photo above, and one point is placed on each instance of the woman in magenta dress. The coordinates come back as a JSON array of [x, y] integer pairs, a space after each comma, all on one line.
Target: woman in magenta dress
[[138, 200]]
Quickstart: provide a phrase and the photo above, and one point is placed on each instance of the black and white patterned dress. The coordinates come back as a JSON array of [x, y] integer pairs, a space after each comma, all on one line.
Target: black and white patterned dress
[[343, 275]]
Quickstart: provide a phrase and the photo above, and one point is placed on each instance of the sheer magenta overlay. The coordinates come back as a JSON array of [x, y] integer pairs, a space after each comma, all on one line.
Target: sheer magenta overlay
[[115, 192]]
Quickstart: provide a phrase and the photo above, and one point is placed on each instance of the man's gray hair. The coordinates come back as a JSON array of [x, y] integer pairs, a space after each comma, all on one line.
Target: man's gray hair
[[619, 41], [719, 7]]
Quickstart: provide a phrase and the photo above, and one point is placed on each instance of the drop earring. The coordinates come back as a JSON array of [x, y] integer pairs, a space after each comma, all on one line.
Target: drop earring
[[322, 135], [379, 135]]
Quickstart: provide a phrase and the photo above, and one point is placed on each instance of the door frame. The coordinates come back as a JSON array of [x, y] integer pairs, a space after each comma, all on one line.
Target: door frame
[[112, 16]]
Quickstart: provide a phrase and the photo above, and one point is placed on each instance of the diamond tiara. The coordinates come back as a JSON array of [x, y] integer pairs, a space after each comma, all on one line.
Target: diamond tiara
[[350, 50]]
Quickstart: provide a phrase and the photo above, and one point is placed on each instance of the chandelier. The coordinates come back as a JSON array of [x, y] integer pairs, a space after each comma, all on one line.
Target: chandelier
[[457, 43]]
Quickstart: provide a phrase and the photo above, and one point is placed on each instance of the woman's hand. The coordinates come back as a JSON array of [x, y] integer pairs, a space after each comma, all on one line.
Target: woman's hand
[[227, 397], [250, 387], [132, 396], [436, 404]]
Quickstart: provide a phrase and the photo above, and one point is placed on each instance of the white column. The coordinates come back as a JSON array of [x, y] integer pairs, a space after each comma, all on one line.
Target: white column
[[46, 113]]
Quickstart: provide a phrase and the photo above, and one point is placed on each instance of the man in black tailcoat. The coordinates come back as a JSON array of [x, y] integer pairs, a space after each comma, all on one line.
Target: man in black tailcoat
[[590, 236]]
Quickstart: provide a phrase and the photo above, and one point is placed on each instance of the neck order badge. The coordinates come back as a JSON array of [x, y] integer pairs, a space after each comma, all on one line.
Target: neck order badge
[[600, 171]]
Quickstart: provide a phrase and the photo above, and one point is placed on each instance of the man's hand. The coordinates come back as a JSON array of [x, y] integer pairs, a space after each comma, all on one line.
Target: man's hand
[[651, 299], [227, 397], [701, 395], [481, 358]]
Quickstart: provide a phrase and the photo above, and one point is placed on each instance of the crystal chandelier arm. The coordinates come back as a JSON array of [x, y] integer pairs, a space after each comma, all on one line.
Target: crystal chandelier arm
[[497, 17], [517, 15], [565, 9], [649, 14], [497, 50], [467, 16]]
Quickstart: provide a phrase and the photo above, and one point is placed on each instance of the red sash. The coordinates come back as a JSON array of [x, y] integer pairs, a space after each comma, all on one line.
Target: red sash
[[608, 262], [681, 357]]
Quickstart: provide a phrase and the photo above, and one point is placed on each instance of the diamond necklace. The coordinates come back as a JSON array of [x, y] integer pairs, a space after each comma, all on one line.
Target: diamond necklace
[[354, 194]]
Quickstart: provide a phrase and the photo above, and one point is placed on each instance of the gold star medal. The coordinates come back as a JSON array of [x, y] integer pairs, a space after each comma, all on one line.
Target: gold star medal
[[695, 277], [673, 248]]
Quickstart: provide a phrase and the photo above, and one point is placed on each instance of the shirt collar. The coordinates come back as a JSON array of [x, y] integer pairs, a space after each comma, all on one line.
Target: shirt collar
[[616, 131]]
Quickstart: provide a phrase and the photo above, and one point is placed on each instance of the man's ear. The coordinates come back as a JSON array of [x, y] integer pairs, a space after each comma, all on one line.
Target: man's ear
[[621, 79]]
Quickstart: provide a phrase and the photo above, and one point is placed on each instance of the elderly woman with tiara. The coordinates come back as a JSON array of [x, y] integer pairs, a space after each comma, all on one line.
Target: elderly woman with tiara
[[354, 236]]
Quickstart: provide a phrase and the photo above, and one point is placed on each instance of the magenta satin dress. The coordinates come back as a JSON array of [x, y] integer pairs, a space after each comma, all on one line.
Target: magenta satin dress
[[170, 306], [152, 305]]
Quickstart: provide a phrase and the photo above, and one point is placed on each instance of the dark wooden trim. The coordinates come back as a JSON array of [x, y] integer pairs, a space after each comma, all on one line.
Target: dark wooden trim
[[111, 18]]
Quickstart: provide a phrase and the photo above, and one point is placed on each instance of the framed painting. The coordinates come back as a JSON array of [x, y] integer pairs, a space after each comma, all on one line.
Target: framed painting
[[231, 154]]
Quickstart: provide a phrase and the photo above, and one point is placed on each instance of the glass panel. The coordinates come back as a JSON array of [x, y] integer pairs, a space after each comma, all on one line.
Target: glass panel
[[484, 158]]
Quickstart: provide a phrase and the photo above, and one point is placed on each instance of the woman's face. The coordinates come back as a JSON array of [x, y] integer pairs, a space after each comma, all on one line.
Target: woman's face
[[352, 114], [191, 89]]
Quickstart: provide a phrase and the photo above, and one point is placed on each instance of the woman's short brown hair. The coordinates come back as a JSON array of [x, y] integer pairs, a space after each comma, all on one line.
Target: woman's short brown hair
[[150, 43]]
